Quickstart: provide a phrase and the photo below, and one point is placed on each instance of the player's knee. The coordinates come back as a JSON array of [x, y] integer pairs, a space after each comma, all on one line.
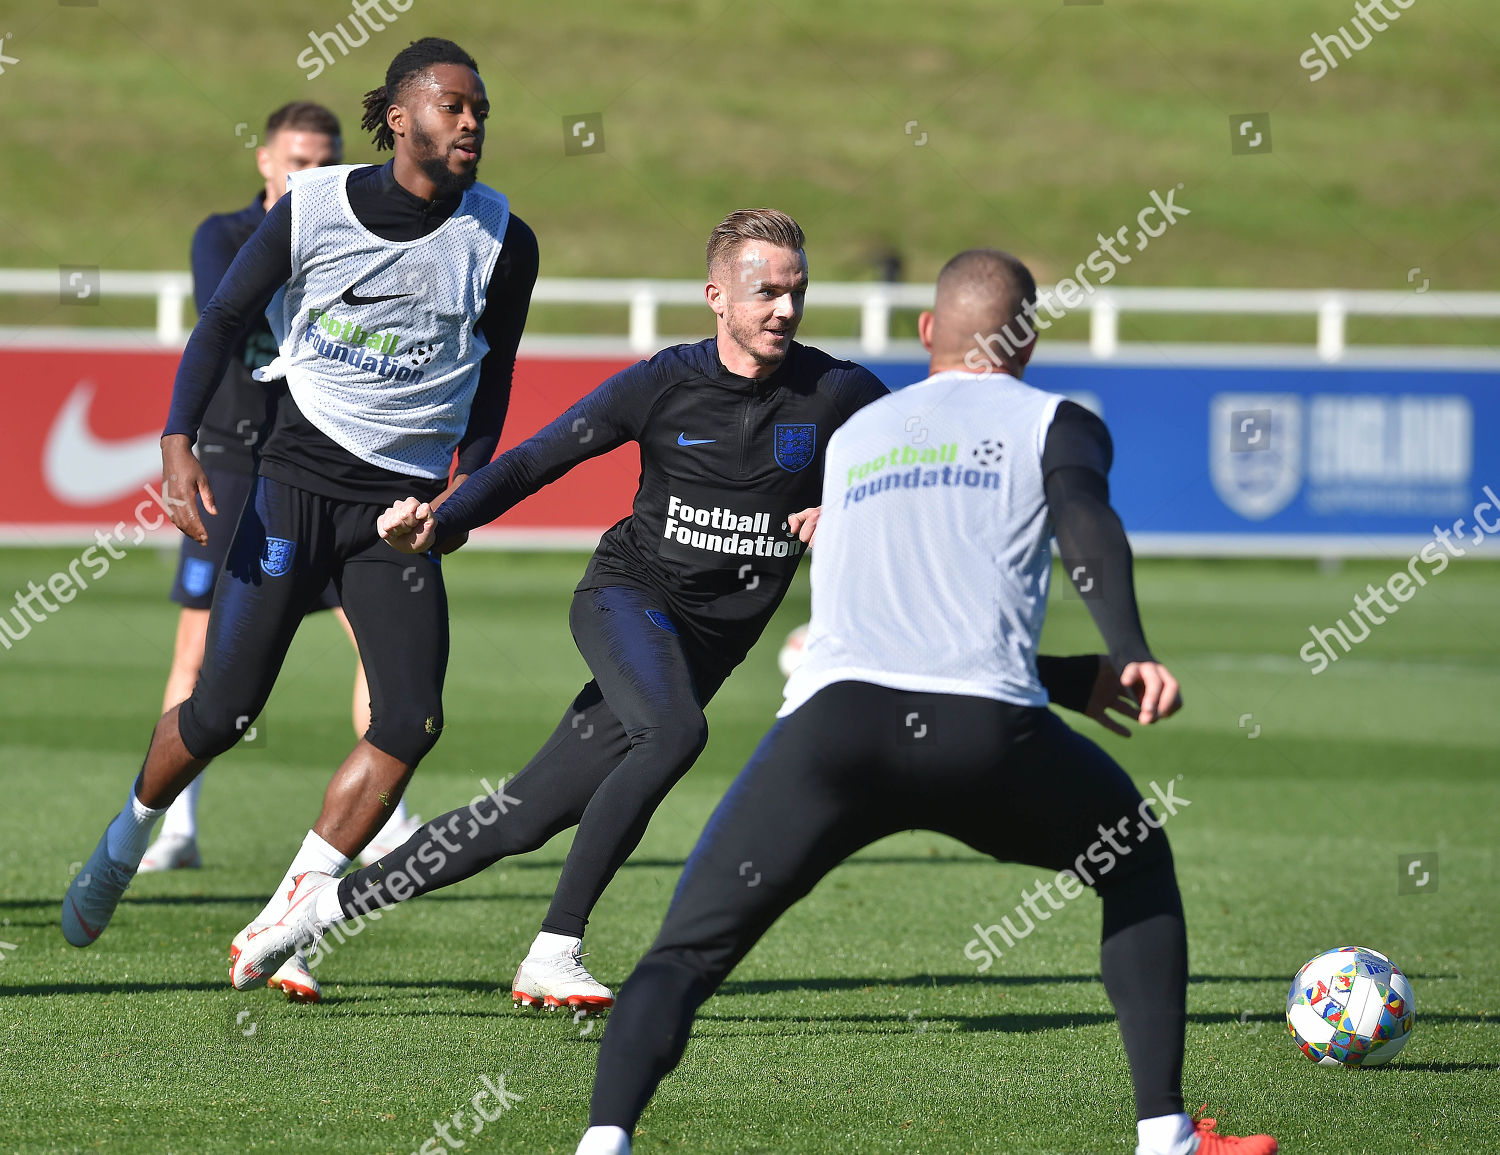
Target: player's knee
[[671, 978], [677, 741], [407, 732], [209, 729], [1135, 895]]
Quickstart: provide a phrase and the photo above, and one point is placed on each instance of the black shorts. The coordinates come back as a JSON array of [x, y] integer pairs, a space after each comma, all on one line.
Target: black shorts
[[288, 546], [198, 566]]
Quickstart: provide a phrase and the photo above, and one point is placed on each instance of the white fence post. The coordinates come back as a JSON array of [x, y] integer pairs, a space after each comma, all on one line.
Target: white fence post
[[1331, 329], [875, 322], [169, 299], [1104, 328], [643, 320]]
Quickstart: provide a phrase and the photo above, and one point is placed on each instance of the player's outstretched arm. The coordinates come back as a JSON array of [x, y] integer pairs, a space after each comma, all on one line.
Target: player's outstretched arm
[[1096, 555], [457, 540], [602, 420]]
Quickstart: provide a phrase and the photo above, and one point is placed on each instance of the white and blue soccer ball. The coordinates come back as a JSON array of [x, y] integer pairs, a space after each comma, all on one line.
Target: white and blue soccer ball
[[1350, 1007]]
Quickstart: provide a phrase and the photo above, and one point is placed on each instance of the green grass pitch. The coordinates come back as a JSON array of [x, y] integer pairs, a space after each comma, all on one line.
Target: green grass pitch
[[858, 1024]]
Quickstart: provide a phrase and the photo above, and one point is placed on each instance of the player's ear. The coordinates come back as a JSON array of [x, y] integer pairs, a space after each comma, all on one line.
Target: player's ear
[[924, 329], [715, 297], [395, 118], [263, 162]]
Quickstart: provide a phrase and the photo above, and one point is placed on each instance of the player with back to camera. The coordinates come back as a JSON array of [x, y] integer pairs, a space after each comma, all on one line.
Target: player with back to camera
[[947, 638], [297, 136], [397, 294], [731, 433]]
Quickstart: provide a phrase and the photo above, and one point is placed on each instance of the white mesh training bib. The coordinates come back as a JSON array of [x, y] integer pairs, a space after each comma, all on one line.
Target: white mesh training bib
[[933, 553], [377, 338]]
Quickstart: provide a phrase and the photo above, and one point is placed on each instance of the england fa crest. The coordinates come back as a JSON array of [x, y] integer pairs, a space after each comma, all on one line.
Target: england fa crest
[[795, 446], [1255, 451]]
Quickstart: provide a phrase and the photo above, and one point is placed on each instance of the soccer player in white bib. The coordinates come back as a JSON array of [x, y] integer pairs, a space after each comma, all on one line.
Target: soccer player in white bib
[[397, 295], [299, 135], [918, 706]]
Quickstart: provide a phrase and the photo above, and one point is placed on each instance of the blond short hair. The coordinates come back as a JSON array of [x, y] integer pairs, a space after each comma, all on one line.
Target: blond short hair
[[768, 225]]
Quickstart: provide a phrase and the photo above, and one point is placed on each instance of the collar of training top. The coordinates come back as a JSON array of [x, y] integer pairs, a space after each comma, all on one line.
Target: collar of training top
[[389, 184], [722, 376]]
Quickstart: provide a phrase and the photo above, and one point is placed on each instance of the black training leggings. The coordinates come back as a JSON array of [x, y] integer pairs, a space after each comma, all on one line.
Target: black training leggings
[[627, 738], [858, 762], [289, 544]]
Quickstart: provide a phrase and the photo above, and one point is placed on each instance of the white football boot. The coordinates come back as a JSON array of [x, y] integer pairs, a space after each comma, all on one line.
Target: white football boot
[[171, 852], [559, 980], [258, 951], [604, 1141], [295, 980]]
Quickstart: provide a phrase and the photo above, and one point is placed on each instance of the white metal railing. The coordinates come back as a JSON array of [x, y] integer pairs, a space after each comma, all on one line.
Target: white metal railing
[[874, 300]]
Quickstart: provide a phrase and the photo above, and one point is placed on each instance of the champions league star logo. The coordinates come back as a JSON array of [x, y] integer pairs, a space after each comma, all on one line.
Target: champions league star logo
[[795, 445], [1255, 451]]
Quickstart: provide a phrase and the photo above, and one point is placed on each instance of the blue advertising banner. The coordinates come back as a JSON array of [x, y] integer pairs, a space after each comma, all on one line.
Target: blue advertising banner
[[1293, 460]]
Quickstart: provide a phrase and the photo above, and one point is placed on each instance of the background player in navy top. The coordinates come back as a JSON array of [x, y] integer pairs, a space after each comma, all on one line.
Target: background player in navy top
[[312, 515]]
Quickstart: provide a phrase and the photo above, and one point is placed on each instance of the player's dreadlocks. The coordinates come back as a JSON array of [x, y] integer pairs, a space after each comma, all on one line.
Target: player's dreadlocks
[[417, 57]]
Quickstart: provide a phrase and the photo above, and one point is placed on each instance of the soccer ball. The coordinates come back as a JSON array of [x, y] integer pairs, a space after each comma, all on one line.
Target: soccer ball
[[792, 651], [1350, 1007]]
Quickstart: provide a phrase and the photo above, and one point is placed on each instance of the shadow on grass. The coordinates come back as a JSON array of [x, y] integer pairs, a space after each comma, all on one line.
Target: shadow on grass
[[392, 987], [1027, 1023], [42, 990], [774, 986], [251, 900], [885, 1024], [857, 860], [55, 903]]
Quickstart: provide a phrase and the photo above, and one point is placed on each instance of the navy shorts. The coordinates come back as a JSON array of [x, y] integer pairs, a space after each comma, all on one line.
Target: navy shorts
[[287, 547], [198, 566]]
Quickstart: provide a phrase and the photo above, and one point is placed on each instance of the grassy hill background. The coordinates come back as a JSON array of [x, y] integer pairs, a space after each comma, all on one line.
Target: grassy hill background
[[1046, 124]]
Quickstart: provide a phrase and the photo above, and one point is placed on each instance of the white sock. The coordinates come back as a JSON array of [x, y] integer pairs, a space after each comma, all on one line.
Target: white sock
[[315, 854], [182, 816], [604, 1141], [327, 908], [547, 943], [129, 834], [1166, 1135]]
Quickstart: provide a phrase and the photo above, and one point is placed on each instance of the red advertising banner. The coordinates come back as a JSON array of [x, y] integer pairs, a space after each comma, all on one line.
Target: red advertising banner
[[80, 430]]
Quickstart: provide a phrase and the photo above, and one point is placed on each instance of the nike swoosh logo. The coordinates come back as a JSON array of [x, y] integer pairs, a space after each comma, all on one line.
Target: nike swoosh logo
[[684, 439], [84, 470], [350, 297], [87, 929]]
